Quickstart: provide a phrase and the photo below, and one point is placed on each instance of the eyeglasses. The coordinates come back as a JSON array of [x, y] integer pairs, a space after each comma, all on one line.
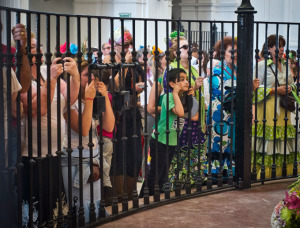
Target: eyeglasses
[[185, 47], [108, 48]]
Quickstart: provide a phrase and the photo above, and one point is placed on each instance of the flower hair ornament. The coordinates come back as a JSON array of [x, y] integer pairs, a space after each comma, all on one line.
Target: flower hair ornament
[[173, 35], [160, 52], [73, 48], [118, 36]]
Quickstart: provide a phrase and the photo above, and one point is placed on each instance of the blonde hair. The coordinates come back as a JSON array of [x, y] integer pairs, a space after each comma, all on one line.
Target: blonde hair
[[174, 47]]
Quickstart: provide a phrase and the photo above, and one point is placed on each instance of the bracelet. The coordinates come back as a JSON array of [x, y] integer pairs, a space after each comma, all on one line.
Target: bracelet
[[91, 99]]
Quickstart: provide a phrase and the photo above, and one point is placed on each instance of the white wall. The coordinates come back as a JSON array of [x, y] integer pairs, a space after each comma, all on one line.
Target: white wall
[[137, 9]]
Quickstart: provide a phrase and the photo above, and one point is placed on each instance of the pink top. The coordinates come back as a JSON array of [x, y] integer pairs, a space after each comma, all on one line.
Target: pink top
[[106, 133]]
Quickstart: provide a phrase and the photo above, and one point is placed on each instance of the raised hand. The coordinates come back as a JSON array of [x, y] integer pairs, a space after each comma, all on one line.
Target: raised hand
[[177, 88], [199, 82], [191, 91], [255, 84], [56, 68], [70, 66], [102, 89], [90, 91], [19, 33]]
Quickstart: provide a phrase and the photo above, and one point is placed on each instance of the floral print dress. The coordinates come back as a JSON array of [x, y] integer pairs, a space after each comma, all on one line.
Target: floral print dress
[[228, 135]]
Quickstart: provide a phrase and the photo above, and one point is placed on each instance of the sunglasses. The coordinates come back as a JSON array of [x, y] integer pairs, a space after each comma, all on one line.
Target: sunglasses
[[107, 48], [185, 47]]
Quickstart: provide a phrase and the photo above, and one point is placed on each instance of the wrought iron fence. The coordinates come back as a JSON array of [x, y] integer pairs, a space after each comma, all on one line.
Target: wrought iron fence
[[54, 156], [276, 122]]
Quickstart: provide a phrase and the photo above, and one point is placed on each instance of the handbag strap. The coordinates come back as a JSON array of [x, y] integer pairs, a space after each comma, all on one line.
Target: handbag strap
[[274, 75]]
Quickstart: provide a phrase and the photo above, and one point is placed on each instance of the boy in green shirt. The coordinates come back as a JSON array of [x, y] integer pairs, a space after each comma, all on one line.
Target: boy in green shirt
[[175, 110]]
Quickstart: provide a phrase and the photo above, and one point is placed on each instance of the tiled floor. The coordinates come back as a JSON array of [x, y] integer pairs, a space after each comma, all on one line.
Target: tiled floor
[[247, 208]]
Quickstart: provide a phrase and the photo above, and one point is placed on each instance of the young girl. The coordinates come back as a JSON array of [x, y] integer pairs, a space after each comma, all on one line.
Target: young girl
[[88, 93]]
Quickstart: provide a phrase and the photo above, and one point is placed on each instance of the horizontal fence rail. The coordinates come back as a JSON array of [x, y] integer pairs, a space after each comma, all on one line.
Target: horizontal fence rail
[[102, 118]]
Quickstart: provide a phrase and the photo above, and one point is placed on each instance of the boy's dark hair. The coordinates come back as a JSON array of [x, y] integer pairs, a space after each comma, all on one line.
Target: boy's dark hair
[[173, 74]]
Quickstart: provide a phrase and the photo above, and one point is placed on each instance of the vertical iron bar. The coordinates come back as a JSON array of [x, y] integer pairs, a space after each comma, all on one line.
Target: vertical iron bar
[[60, 222], [177, 181], [115, 208], [32, 162], [254, 170], [209, 177], [146, 133], [69, 148], [295, 166], [167, 185], [19, 164], [90, 144], [284, 167], [156, 187], [220, 173], [200, 147], [8, 131], [262, 173], [135, 136], [189, 128], [39, 159], [273, 175], [101, 143], [231, 124], [81, 215], [49, 149], [124, 138]]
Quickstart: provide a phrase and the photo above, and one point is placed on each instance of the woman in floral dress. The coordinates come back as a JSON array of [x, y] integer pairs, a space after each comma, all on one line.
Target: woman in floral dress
[[227, 74]]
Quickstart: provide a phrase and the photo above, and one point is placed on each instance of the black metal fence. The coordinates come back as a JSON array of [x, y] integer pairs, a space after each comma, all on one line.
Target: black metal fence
[[54, 164]]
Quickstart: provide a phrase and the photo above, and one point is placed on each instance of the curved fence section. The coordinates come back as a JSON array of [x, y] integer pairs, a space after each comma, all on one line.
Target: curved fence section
[[103, 116]]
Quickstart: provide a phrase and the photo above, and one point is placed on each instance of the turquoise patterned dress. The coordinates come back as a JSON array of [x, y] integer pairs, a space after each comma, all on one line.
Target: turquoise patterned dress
[[217, 119]]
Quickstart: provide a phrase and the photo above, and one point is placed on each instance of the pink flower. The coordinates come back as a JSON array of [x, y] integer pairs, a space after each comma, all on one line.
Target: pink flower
[[292, 201], [63, 47]]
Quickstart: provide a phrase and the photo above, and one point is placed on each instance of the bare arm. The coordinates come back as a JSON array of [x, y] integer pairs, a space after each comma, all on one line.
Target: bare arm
[[87, 113], [71, 68], [151, 103], [195, 117], [19, 33], [178, 109], [86, 118], [108, 115]]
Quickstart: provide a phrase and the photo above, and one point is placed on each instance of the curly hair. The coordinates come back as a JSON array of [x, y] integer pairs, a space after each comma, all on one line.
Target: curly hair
[[174, 47], [227, 41]]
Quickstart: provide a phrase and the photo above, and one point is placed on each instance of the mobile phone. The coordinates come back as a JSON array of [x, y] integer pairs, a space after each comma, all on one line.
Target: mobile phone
[[141, 86]]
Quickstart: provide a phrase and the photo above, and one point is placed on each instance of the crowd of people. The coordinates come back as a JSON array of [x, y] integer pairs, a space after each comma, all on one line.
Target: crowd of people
[[183, 93]]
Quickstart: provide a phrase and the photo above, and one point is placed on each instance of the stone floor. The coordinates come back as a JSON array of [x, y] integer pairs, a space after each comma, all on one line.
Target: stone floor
[[247, 208]]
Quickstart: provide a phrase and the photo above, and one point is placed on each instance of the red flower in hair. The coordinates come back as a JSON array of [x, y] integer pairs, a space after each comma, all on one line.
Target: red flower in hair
[[63, 47]]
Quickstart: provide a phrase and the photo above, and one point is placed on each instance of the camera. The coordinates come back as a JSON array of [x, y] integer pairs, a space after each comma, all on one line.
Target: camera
[[98, 105]]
